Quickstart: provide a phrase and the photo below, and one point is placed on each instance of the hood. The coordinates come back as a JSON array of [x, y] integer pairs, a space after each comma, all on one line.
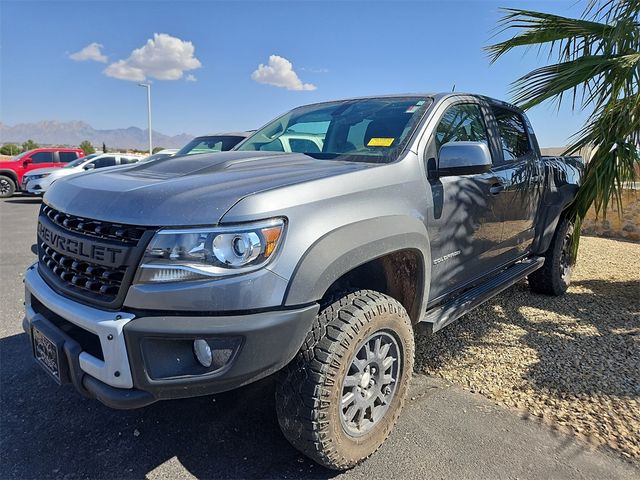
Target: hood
[[182, 191], [8, 164], [40, 171]]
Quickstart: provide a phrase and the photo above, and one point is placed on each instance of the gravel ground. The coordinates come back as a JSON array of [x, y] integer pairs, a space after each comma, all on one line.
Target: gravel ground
[[574, 361]]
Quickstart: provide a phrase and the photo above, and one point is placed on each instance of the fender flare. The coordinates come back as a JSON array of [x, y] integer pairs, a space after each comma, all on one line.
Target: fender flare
[[334, 254], [549, 218], [12, 175]]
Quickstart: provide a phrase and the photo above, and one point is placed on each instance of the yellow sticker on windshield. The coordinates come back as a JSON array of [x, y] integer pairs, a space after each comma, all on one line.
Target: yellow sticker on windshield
[[380, 142]]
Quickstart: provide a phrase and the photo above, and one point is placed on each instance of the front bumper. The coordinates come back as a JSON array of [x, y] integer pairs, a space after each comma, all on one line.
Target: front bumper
[[34, 187], [137, 360]]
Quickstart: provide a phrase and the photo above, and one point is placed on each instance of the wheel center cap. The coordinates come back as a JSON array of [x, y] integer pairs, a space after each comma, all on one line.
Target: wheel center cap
[[364, 381]]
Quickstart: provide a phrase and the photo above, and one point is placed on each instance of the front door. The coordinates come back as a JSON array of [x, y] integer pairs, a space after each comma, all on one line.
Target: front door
[[465, 225], [42, 160]]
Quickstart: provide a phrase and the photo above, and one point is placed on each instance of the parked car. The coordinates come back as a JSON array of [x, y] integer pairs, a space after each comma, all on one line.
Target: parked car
[[197, 275], [38, 181], [213, 143], [12, 171], [295, 142], [166, 153]]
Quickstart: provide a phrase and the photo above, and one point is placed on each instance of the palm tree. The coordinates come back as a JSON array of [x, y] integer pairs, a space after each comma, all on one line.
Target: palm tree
[[597, 68]]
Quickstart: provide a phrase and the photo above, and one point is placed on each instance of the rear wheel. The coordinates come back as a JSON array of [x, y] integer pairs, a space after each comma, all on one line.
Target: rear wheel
[[555, 275], [7, 187], [339, 399]]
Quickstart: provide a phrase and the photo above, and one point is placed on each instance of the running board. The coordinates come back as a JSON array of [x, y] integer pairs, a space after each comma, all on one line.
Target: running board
[[443, 315]]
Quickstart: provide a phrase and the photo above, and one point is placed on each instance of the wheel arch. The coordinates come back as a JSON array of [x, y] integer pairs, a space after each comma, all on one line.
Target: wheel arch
[[12, 175], [394, 259]]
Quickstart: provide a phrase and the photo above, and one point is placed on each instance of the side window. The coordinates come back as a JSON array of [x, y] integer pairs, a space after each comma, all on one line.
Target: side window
[[461, 123], [127, 160], [105, 162], [66, 157], [513, 133], [42, 157]]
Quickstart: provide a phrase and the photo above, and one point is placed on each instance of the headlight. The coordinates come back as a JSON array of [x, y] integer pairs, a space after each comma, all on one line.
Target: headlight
[[37, 177], [198, 253]]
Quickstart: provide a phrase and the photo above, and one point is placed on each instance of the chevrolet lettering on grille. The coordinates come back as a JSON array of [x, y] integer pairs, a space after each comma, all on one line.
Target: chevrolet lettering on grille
[[101, 253]]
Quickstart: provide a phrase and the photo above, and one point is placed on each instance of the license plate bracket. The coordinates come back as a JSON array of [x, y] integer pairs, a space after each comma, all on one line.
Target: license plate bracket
[[48, 350]]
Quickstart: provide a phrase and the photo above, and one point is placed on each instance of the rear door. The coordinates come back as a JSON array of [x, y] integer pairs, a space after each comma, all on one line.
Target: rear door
[[66, 157], [465, 226], [519, 174]]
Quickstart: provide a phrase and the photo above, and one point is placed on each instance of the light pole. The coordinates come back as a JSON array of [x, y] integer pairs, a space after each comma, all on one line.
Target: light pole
[[148, 87]]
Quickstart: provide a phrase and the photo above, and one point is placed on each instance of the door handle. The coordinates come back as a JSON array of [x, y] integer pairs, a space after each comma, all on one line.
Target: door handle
[[496, 188]]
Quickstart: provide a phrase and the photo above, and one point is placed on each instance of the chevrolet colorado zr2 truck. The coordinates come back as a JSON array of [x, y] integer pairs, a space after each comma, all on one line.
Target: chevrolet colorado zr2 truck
[[382, 217]]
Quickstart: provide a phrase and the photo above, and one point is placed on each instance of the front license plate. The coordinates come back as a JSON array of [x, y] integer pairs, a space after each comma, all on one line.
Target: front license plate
[[47, 353]]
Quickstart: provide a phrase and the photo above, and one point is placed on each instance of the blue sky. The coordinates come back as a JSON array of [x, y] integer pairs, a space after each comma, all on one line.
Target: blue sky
[[343, 49]]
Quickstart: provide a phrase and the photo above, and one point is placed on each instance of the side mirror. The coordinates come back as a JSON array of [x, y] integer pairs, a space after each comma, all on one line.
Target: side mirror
[[463, 158], [26, 161], [89, 166]]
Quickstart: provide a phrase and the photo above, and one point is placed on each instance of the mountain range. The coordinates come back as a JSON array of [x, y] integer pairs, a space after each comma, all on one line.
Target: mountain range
[[51, 132]]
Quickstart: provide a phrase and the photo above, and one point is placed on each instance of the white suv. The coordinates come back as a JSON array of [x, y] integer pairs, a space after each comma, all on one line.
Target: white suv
[[38, 181]]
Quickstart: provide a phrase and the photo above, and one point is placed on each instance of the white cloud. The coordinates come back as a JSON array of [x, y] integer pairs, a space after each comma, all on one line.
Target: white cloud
[[279, 72], [191, 78], [93, 51], [163, 57]]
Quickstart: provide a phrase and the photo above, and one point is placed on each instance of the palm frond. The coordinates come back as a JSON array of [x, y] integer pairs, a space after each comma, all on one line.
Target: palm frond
[[598, 60], [599, 74], [569, 34]]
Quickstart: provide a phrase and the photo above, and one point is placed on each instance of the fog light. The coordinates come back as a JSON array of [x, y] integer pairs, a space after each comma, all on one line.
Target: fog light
[[202, 351]]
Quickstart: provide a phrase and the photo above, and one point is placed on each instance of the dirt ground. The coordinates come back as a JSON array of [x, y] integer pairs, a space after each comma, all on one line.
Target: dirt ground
[[574, 360]]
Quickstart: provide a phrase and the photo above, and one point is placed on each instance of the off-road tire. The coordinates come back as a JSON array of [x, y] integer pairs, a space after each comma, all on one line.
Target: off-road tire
[[7, 187], [310, 389], [555, 275]]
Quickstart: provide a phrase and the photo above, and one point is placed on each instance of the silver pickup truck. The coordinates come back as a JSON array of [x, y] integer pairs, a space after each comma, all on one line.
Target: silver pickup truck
[[316, 249]]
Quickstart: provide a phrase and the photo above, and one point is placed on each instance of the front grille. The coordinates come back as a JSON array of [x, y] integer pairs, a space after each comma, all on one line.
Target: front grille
[[128, 234], [96, 279], [78, 271]]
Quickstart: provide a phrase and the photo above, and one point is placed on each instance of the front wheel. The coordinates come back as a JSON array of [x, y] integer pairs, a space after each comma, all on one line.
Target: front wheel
[[340, 398], [7, 187]]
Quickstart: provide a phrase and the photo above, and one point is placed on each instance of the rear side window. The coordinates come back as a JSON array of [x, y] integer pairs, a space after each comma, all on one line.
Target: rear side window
[[513, 133], [105, 162], [66, 157], [461, 123], [42, 157]]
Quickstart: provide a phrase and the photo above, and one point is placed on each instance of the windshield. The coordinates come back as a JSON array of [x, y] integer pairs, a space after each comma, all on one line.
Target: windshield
[[214, 143], [20, 155], [80, 160], [366, 130]]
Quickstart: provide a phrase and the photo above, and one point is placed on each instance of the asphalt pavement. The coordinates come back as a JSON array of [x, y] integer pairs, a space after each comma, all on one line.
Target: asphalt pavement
[[48, 431]]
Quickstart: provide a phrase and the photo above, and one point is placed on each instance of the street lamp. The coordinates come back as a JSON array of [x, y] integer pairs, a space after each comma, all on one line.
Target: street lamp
[[148, 87]]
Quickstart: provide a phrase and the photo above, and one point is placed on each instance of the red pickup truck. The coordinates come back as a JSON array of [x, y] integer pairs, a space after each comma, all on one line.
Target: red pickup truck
[[11, 171]]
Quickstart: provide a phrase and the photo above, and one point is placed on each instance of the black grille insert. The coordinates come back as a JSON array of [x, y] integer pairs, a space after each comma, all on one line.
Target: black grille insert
[[88, 259], [97, 279]]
